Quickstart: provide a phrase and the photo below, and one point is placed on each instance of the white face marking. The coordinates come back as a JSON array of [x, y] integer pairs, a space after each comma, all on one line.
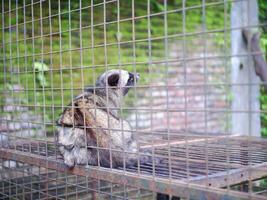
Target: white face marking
[[124, 76]]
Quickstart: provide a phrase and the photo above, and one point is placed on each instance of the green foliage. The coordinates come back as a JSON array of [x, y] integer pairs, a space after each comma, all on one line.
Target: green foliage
[[157, 6], [262, 13], [40, 68], [263, 100], [49, 84], [263, 40], [263, 183]]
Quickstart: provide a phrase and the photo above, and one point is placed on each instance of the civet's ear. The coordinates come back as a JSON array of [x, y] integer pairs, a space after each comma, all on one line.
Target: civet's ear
[[113, 79]]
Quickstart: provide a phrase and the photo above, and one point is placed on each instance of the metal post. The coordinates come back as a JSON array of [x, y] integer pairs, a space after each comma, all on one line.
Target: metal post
[[245, 83]]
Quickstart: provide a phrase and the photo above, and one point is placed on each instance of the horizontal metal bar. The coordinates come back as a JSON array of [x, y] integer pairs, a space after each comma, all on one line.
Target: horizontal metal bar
[[174, 187], [139, 86], [144, 108], [188, 141], [233, 177], [134, 42], [110, 22], [61, 13]]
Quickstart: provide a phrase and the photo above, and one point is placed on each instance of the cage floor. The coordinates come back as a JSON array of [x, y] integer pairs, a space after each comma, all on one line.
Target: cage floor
[[216, 161], [39, 183]]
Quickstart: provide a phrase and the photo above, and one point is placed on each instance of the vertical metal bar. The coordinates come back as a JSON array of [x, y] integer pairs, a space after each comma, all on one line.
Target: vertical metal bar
[[44, 97], [137, 136], [76, 188], [203, 25], [94, 74], [42, 61], [60, 56], [70, 56], [135, 91], [3, 45], [227, 90], [251, 127], [1, 160], [106, 68], [4, 137], [119, 66], [150, 77], [9, 180], [11, 66], [107, 86], [185, 79], [52, 81], [121, 108], [33, 56], [25, 58], [61, 77], [33, 67], [97, 184], [81, 63], [66, 185], [166, 65], [184, 45], [19, 84], [121, 112], [17, 57], [82, 74]]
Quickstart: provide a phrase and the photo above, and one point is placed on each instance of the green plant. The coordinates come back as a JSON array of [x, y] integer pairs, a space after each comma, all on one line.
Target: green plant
[[263, 41], [40, 69], [37, 75]]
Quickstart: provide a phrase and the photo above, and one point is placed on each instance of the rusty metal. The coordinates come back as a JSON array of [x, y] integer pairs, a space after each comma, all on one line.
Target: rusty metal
[[197, 163], [142, 181], [196, 185]]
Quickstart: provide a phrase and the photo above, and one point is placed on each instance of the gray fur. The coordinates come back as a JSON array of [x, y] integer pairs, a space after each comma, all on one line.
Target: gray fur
[[90, 126]]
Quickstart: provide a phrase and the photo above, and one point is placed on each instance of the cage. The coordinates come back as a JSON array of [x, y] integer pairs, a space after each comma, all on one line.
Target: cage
[[198, 108]]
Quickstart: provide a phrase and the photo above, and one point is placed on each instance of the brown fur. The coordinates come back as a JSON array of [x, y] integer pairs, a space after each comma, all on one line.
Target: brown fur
[[90, 129]]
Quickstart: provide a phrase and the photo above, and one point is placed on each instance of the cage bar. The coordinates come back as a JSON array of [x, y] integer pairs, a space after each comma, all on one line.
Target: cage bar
[[180, 112]]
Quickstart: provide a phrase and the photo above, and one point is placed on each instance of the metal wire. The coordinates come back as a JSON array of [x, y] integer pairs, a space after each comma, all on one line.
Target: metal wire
[[179, 111]]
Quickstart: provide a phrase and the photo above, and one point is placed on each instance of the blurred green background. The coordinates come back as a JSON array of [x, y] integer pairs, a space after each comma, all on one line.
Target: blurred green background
[[45, 45]]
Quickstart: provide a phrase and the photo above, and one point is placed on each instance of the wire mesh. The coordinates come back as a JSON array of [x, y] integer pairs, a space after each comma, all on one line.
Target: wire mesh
[[179, 113]]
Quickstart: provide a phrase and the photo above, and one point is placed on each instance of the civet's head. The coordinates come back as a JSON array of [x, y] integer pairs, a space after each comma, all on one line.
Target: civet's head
[[117, 79]]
